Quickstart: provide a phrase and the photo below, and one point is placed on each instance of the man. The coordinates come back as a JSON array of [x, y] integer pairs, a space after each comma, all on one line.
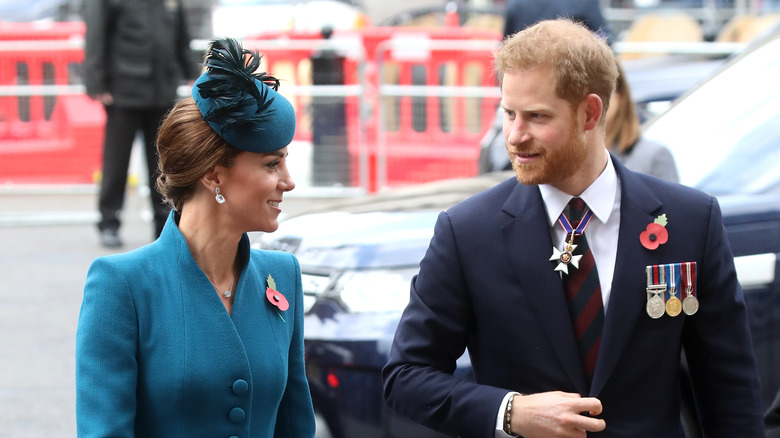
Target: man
[[573, 326], [136, 55]]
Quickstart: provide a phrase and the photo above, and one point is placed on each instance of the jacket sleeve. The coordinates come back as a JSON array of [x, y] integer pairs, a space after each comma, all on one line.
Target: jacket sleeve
[[296, 414], [718, 344], [96, 14], [106, 366], [419, 380], [772, 419]]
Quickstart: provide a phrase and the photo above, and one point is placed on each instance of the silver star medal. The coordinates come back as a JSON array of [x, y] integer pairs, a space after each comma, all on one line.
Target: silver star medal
[[565, 258]]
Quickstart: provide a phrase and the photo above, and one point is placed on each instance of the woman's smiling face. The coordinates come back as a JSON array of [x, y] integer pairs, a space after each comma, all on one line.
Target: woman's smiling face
[[254, 186]]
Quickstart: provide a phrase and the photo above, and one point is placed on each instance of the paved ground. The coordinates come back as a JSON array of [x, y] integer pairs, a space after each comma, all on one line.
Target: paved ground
[[47, 241]]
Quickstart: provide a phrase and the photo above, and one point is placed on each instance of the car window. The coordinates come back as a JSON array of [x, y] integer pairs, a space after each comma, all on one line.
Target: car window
[[725, 135]]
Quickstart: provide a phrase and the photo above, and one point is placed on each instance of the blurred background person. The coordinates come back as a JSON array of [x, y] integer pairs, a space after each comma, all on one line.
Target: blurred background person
[[197, 334], [520, 14], [136, 55], [625, 141]]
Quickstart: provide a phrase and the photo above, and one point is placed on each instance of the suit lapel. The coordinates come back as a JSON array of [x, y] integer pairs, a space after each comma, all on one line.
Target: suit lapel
[[529, 246], [638, 207]]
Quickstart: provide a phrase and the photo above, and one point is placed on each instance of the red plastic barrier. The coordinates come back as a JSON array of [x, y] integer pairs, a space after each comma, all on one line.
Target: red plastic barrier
[[292, 66], [46, 139], [42, 31], [417, 139], [437, 139]]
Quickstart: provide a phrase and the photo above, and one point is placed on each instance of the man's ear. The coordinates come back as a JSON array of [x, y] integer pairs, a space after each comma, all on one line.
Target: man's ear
[[594, 109]]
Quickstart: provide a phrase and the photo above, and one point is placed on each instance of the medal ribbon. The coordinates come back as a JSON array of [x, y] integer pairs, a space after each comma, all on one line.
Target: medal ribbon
[[689, 278], [656, 272], [673, 280], [586, 217]]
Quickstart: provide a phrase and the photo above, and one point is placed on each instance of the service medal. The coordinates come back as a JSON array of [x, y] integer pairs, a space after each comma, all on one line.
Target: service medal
[[673, 304], [655, 307], [655, 292], [690, 305]]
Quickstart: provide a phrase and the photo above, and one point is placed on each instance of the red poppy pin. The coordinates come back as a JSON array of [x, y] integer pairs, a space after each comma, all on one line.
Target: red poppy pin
[[655, 234], [275, 297]]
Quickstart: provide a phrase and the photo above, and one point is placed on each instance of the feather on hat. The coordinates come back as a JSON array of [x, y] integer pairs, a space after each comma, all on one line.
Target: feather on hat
[[241, 105]]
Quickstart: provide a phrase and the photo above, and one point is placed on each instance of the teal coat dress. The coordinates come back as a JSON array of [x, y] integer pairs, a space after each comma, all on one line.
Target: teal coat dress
[[157, 354]]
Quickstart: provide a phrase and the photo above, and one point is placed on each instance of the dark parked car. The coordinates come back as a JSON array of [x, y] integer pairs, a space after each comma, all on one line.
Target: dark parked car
[[358, 257]]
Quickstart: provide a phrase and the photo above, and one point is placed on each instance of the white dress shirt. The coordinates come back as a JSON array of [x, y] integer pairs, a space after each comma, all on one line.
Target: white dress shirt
[[603, 198]]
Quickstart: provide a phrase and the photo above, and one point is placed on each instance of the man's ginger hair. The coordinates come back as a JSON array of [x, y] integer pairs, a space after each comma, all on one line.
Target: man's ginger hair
[[581, 61]]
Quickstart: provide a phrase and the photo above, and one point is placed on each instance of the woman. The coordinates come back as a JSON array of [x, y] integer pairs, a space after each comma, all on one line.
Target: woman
[[625, 140], [197, 334]]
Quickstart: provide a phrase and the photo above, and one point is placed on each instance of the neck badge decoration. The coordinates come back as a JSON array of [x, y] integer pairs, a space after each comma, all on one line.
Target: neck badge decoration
[[567, 257]]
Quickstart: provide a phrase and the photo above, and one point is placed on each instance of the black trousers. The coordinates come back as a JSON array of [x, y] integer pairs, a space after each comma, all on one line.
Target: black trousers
[[122, 124]]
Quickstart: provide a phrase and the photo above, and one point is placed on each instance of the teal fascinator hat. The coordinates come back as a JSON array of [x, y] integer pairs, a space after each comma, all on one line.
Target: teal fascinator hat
[[241, 105]]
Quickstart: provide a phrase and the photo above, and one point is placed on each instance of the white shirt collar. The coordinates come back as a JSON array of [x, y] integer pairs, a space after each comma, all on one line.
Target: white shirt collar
[[600, 195]]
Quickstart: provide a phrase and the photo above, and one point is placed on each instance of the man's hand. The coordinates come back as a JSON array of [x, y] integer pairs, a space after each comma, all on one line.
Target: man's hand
[[105, 98], [555, 414]]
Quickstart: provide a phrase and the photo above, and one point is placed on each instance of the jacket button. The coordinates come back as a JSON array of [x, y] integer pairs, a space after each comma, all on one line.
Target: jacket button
[[240, 387], [233, 436], [237, 415]]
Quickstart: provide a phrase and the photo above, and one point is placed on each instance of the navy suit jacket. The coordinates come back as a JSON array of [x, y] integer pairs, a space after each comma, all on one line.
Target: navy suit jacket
[[486, 284], [157, 354]]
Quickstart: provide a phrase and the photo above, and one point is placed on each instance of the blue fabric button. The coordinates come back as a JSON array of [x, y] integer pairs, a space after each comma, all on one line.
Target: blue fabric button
[[237, 415], [240, 387]]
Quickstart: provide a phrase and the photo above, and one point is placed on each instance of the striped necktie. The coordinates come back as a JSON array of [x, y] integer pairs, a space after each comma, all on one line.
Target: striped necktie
[[583, 294]]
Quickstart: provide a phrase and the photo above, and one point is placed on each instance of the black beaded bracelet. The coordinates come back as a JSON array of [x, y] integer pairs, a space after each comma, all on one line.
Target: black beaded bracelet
[[508, 418]]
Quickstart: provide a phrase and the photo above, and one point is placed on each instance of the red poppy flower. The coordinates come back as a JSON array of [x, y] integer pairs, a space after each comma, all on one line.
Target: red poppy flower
[[653, 236], [277, 299]]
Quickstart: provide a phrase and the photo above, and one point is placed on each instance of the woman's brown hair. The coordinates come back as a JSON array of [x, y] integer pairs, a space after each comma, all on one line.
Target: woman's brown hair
[[623, 129], [188, 148]]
